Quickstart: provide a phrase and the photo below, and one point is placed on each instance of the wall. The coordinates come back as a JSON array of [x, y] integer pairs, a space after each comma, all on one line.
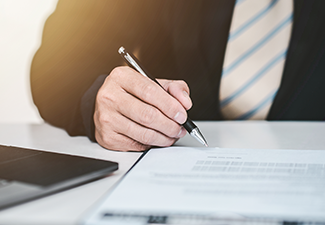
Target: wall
[[21, 24]]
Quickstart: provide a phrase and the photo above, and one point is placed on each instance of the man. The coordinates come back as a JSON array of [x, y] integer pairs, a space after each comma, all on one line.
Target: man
[[175, 40]]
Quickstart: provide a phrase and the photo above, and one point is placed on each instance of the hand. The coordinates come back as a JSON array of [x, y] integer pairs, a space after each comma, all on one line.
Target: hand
[[133, 113]]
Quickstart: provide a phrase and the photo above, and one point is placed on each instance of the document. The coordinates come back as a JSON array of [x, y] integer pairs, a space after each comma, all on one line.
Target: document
[[178, 184]]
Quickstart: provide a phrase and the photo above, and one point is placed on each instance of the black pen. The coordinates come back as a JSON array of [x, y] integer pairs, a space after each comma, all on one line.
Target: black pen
[[132, 61]]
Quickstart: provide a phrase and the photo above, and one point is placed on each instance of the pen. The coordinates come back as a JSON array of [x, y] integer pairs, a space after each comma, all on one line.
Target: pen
[[132, 61]]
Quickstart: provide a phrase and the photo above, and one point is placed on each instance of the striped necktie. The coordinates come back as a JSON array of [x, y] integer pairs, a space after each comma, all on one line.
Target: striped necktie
[[255, 56]]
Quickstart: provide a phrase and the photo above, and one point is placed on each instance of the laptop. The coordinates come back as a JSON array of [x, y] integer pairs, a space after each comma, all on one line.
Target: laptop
[[27, 174]]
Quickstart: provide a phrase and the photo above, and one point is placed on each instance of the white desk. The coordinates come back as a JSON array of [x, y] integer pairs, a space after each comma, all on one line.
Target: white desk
[[67, 207]]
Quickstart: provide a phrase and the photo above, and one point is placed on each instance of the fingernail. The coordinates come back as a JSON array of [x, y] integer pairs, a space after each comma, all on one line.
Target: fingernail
[[187, 96], [180, 118], [181, 133]]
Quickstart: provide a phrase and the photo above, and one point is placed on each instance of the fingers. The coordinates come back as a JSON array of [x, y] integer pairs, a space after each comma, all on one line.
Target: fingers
[[119, 142], [128, 118], [119, 133], [151, 93], [179, 90], [106, 124], [149, 116]]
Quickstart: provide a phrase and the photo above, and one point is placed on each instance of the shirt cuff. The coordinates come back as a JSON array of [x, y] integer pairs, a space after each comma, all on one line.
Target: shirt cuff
[[87, 106]]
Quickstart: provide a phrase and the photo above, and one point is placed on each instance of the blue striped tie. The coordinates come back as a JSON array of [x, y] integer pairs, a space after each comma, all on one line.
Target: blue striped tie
[[255, 56]]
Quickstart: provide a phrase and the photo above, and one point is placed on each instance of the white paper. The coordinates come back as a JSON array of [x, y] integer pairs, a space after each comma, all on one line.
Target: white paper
[[238, 183]]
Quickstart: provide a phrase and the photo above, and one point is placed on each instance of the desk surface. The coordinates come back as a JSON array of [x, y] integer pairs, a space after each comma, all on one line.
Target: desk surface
[[69, 206]]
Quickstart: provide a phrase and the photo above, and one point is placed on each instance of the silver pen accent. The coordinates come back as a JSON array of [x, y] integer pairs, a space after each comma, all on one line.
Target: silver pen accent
[[130, 60], [198, 136], [191, 128]]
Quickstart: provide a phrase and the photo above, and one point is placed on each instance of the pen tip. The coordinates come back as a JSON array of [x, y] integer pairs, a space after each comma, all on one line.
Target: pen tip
[[198, 136]]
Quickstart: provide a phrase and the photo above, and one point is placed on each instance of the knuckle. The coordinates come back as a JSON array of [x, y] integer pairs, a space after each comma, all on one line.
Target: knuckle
[[106, 97], [103, 118], [148, 115], [117, 71], [174, 131], [106, 123], [117, 75], [136, 146], [101, 96], [173, 108], [147, 137], [183, 84], [147, 91], [104, 139], [102, 93]]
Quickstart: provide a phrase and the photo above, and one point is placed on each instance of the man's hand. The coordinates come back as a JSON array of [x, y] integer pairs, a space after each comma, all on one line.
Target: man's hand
[[132, 112]]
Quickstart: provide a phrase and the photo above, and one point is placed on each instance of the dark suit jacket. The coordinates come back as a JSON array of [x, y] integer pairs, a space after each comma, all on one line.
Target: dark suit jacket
[[178, 39]]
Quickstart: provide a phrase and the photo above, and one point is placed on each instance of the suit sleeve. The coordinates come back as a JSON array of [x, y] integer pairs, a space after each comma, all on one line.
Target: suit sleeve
[[79, 44]]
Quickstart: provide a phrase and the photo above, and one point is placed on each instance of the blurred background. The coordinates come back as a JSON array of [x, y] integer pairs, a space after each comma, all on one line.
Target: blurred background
[[21, 25]]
